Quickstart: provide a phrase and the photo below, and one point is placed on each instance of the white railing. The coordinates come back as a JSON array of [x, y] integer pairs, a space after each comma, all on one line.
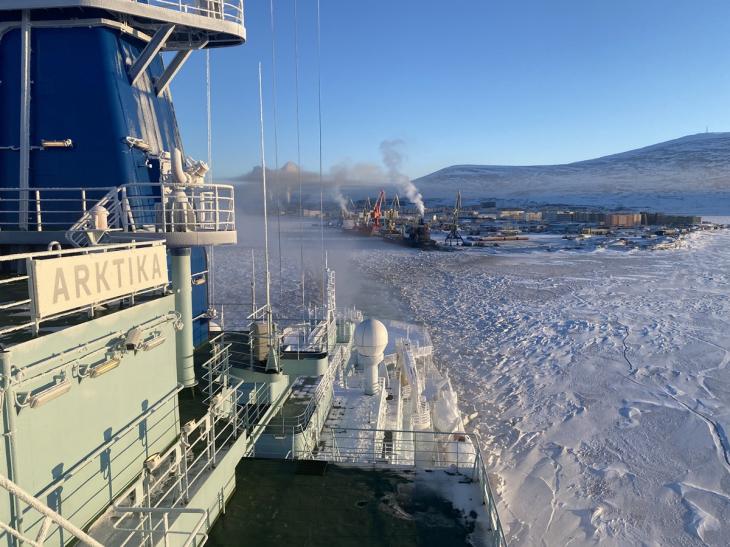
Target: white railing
[[225, 10], [293, 425], [198, 535], [168, 483], [456, 452], [161, 208], [134, 207], [51, 521], [16, 310], [49, 209]]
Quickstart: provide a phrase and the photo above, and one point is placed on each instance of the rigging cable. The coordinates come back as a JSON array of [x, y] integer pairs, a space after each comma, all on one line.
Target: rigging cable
[[266, 216], [321, 180], [209, 175], [277, 188]]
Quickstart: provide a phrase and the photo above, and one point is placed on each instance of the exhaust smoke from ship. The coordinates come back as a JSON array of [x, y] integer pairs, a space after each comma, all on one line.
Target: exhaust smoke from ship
[[393, 160], [341, 200]]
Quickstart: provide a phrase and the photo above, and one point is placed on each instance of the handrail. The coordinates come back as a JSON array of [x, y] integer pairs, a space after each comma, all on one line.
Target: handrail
[[159, 208], [165, 511], [360, 446], [50, 517], [134, 207], [297, 424], [167, 486], [225, 10]]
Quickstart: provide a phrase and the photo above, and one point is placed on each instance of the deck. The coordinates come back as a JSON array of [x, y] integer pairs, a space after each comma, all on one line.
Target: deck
[[317, 504]]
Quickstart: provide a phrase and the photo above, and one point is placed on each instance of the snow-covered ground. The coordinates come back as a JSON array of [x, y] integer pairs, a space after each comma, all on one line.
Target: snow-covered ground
[[601, 378], [601, 382]]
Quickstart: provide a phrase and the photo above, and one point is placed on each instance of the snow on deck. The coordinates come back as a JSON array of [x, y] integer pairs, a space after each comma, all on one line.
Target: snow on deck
[[352, 409]]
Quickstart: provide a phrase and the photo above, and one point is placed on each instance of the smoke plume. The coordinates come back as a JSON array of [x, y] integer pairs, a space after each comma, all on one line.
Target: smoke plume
[[393, 160], [340, 199]]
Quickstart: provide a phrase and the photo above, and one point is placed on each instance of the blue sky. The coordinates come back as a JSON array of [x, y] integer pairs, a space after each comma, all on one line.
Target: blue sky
[[485, 82]]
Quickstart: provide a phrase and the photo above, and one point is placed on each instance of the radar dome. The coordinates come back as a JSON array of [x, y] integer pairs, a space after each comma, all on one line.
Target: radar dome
[[371, 337]]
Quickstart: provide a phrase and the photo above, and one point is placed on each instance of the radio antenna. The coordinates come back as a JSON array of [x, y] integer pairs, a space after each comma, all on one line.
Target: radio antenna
[[266, 215]]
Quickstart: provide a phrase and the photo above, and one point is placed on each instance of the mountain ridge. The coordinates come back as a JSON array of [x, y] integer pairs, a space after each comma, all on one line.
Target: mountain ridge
[[688, 174]]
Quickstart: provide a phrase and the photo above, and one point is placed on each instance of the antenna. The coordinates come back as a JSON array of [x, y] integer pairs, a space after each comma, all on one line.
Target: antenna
[[321, 182], [266, 216], [209, 175], [299, 147], [276, 146], [253, 282]]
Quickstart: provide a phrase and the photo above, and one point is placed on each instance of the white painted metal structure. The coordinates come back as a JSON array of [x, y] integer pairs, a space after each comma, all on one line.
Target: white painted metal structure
[[19, 305], [190, 214], [50, 518], [221, 20], [371, 338]]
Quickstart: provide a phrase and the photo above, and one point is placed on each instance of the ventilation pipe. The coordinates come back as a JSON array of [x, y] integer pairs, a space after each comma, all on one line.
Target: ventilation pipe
[[178, 167], [371, 339]]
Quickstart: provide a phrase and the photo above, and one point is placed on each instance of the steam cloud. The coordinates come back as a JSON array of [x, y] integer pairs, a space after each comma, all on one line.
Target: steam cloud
[[393, 160], [346, 174], [340, 199]]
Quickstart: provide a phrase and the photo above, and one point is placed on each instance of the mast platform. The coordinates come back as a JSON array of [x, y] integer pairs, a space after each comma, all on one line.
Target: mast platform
[[208, 23]]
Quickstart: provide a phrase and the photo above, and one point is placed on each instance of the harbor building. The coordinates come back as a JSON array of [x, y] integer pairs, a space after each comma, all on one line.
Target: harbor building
[[623, 220]]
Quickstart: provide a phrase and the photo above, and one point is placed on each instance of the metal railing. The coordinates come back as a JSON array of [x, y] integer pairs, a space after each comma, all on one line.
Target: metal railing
[[308, 336], [455, 452], [162, 526], [49, 209], [51, 520], [16, 299], [134, 207], [171, 479], [223, 354], [161, 208], [293, 425], [225, 10]]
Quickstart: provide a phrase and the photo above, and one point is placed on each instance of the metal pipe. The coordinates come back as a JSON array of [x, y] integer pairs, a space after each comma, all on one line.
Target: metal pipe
[[178, 169], [10, 415], [182, 286], [24, 180], [39, 506], [38, 220]]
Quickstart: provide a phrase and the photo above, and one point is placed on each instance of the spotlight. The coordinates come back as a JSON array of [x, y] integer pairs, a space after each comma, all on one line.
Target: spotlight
[[42, 397], [103, 368]]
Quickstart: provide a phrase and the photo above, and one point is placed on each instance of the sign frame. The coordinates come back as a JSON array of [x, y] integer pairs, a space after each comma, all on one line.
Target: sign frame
[[83, 284]]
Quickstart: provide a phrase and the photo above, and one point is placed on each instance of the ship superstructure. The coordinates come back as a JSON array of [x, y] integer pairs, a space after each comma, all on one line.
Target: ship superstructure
[[104, 224], [125, 414]]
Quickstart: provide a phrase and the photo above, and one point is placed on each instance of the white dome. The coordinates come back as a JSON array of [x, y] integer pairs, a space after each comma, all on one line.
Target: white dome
[[371, 337]]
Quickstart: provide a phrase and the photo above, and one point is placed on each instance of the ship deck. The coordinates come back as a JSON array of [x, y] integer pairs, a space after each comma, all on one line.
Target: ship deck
[[312, 503], [293, 413]]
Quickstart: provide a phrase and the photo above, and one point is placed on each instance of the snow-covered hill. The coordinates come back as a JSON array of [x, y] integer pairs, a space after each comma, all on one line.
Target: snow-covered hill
[[689, 174]]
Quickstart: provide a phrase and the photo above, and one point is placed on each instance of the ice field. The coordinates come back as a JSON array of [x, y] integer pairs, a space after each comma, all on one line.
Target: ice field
[[600, 379]]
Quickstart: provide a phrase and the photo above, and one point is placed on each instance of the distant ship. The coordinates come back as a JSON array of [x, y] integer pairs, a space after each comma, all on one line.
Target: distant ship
[[134, 415], [390, 226]]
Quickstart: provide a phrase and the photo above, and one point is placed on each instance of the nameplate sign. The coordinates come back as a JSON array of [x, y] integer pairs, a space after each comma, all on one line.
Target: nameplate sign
[[67, 283]]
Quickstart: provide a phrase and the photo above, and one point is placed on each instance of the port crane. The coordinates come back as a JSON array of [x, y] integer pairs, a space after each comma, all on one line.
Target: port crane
[[392, 214], [454, 237], [377, 213]]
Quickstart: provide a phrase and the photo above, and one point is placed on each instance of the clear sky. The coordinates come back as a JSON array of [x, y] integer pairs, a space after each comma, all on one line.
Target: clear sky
[[465, 81]]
